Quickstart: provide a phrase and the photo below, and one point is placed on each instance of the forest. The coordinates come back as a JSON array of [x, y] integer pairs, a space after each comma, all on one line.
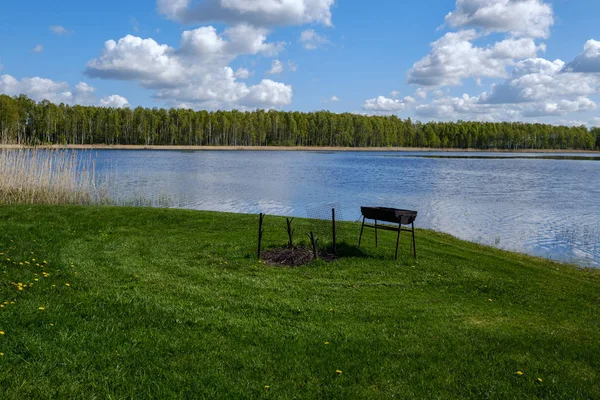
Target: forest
[[27, 122]]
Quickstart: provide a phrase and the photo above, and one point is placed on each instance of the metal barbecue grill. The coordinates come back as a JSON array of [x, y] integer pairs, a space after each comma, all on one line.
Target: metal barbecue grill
[[390, 215]]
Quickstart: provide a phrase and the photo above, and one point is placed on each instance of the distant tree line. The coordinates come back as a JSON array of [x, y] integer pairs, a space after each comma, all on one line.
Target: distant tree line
[[24, 121]]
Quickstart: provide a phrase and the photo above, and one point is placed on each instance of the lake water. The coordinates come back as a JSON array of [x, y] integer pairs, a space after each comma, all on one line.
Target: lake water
[[544, 207]]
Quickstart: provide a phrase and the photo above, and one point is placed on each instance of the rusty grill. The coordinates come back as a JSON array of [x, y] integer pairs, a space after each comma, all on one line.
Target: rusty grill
[[393, 216]]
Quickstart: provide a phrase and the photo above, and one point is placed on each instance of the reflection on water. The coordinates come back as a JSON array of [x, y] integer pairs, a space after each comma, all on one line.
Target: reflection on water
[[545, 207]]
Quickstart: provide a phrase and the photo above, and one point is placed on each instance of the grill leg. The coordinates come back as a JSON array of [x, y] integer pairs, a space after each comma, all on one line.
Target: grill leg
[[376, 240], [361, 231], [398, 241], [413, 240]]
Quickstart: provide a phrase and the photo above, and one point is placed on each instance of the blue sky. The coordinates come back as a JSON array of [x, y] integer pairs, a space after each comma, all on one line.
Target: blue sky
[[527, 60]]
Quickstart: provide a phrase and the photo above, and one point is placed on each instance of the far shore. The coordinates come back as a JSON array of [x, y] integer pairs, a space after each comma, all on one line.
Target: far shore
[[282, 148]]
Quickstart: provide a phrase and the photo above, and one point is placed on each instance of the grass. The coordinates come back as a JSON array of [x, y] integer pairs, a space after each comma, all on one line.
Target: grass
[[48, 177], [173, 304]]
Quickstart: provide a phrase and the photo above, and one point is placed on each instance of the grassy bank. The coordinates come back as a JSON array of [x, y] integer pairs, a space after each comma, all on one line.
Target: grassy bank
[[147, 303]]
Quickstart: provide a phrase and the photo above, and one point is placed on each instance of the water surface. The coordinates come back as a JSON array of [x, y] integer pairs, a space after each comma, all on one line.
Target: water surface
[[530, 203]]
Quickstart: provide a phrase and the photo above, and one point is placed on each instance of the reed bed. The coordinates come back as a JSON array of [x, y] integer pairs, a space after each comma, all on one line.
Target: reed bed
[[29, 176]]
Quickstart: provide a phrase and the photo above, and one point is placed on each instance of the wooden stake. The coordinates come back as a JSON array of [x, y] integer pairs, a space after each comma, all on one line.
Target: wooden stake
[[260, 232], [333, 226], [290, 231], [314, 242]]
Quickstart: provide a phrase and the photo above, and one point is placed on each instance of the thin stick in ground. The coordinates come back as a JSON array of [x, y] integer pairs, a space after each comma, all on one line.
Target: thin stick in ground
[[290, 231]]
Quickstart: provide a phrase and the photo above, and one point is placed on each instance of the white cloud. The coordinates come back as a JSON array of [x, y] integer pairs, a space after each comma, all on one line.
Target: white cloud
[[292, 66], [311, 40], [394, 94], [198, 73], [276, 68], [542, 80], [38, 49], [60, 30], [243, 73], [40, 89], [588, 61], [536, 88], [135, 24], [454, 58], [520, 18], [334, 98], [114, 101], [421, 93], [386, 105], [255, 12], [37, 88], [595, 122]]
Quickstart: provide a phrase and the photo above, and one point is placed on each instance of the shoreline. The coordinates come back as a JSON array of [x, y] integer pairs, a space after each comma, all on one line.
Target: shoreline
[[283, 148]]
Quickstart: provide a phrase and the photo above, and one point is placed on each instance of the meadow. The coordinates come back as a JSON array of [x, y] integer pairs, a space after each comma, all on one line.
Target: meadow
[[116, 302]]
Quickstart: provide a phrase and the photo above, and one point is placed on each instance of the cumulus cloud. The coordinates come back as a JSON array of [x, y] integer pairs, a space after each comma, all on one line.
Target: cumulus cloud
[[38, 49], [520, 18], [384, 104], [536, 88], [114, 101], [60, 30], [40, 89], [243, 73], [542, 80], [292, 66], [421, 93], [255, 12], [588, 61], [198, 73], [454, 58], [311, 40], [276, 68], [334, 98], [37, 88]]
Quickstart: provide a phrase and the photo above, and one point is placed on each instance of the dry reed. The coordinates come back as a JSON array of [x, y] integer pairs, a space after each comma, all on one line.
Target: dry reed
[[49, 177]]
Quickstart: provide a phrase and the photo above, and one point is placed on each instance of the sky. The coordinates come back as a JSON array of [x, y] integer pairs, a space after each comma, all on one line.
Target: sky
[[488, 60]]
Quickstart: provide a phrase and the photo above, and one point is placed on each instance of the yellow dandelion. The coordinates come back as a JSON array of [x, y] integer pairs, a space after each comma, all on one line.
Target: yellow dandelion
[[37, 265], [338, 372], [540, 380], [326, 343], [1, 354], [27, 262], [12, 302], [41, 308], [67, 284], [51, 324], [33, 260], [267, 387], [36, 279], [20, 288], [490, 300], [1, 332], [1, 305], [519, 373], [20, 263], [331, 310]]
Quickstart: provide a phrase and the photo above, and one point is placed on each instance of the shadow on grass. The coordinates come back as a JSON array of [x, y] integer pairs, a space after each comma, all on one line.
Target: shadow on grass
[[347, 250]]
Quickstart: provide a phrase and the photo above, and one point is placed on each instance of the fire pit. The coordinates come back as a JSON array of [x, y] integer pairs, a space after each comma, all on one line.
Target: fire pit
[[391, 215]]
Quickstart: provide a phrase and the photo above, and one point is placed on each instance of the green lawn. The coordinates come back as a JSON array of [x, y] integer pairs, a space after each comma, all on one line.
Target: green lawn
[[173, 304]]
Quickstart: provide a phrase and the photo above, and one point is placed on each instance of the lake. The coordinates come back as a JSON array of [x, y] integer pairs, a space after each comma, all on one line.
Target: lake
[[549, 207]]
